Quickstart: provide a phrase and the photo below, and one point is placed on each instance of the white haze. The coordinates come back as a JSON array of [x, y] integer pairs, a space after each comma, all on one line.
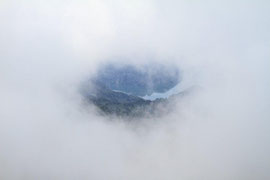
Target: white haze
[[221, 131]]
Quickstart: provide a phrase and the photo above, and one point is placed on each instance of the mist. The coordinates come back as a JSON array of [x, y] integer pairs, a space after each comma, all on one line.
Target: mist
[[220, 131]]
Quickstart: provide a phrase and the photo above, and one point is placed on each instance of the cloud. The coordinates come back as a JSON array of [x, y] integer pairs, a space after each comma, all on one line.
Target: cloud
[[220, 132]]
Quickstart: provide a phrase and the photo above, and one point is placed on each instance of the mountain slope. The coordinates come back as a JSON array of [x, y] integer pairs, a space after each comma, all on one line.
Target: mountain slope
[[110, 102]]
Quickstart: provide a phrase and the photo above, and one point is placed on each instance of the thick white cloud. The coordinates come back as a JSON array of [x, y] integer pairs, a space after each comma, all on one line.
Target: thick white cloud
[[220, 132]]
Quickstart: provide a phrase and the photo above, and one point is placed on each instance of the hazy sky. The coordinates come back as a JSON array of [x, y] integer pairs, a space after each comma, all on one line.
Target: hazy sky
[[220, 132]]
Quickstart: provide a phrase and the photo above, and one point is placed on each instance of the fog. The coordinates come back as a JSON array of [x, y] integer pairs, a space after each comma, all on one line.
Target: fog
[[220, 131]]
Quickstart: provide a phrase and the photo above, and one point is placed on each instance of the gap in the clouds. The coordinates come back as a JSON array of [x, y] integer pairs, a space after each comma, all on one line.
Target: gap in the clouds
[[134, 90]]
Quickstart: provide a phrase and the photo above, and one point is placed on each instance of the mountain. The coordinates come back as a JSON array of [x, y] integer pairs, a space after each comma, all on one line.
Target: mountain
[[138, 81], [121, 104], [117, 90]]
